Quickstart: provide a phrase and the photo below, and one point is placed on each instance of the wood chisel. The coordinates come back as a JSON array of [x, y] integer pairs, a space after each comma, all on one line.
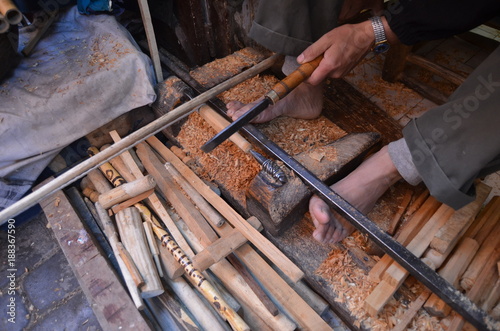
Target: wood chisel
[[278, 92]]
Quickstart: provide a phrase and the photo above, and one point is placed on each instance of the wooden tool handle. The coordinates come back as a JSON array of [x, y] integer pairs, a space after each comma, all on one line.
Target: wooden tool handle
[[293, 80]]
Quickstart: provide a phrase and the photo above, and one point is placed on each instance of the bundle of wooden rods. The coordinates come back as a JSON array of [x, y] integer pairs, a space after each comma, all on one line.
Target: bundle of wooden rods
[[204, 233]]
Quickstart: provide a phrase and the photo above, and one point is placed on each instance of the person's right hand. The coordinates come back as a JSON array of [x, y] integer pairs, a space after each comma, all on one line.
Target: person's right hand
[[342, 48]]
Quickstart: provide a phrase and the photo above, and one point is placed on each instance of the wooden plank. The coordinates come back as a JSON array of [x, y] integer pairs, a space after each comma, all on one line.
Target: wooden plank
[[112, 305], [451, 272], [410, 229], [459, 222]]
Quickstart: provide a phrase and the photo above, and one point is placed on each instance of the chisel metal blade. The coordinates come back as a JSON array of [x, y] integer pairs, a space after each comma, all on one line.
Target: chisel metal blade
[[229, 130]]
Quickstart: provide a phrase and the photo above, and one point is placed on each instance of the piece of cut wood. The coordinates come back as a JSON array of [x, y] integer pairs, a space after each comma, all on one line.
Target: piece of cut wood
[[205, 208], [247, 276], [132, 234], [408, 232], [412, 310], [131, 202], [419, 201], [484, 254], [218, 122], [396, 274], [93, 195], [485, 282], [451, 272], [459, 222], [486, 221], [263, 244], [131, 275], [126, 191], [399, 213]]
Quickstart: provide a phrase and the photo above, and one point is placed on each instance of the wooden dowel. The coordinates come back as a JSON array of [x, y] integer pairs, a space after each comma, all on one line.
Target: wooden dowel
[[262, 243], [101, 184], [205, 208], [451, 272], [86, 183], [155, 252], [110, 232], [127, 191], [218, 123], [133, 238]]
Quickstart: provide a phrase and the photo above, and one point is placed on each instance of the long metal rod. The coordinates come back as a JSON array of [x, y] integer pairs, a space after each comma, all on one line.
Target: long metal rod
[[437, 284], [130, 141]]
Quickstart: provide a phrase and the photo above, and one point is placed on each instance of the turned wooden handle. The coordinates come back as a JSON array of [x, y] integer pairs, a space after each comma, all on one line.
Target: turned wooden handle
[[293, 80]]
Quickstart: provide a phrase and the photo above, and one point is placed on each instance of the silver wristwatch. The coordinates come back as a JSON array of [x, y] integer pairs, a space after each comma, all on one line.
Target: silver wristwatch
[[381, 45]]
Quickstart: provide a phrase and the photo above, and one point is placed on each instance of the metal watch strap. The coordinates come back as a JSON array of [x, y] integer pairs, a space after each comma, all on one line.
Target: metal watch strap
[[380, 38]]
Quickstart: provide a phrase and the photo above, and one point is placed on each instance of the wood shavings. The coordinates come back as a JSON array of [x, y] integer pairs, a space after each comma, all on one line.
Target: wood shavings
[[226, 164]]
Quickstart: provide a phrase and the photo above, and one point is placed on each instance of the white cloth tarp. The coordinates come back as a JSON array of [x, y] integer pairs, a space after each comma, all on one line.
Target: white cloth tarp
[[85, 72]]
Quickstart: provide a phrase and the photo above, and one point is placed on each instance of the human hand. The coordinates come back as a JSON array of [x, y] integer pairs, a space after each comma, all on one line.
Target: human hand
[[342, 48]]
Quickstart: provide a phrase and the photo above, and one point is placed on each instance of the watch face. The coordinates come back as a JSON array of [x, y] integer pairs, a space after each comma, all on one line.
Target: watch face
[[381, 48]]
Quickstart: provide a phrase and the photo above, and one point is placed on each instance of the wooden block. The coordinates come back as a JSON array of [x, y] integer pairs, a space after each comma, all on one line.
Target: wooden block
[[451, 272], [376, 301], [408, 232], [459, 222], [396, 274], [112, 305]]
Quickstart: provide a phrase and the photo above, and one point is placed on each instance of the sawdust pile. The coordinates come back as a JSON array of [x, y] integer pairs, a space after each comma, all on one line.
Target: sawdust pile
[[225, 164], [353, 286]]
